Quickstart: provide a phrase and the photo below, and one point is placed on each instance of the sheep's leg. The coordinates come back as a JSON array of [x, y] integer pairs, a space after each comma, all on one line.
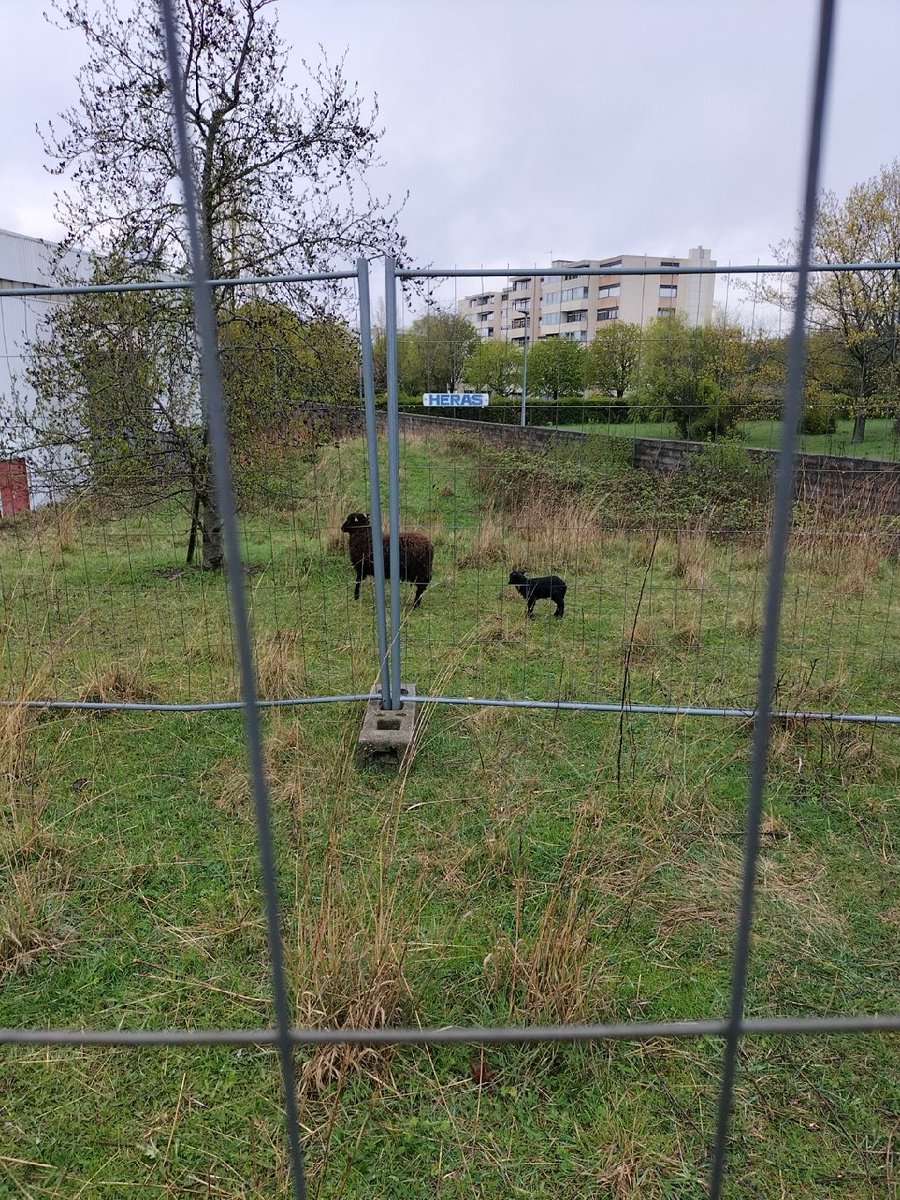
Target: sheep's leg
[[529, 612], [359, 576], [420, 588], [560, 608]]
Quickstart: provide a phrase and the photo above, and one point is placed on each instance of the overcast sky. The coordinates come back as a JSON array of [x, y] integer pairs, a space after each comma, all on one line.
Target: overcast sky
[[523, 129]]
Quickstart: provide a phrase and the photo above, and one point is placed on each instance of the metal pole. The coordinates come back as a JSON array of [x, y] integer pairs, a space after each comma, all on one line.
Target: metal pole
[[393, 438], [778, 543], [365, 338], [211, 392], [524, 372]]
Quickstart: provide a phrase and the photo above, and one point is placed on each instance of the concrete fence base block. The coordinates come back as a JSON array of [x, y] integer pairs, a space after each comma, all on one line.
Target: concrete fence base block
[[386, 737]]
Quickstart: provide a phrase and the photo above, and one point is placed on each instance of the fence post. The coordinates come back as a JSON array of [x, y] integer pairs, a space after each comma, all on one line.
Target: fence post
[[393, 440], [214, 410], [365, 338], [778, 543]]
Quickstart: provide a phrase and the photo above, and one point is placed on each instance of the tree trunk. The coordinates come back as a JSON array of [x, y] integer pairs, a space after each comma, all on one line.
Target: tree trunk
[[859, 429], [195, 523], [213, 555]]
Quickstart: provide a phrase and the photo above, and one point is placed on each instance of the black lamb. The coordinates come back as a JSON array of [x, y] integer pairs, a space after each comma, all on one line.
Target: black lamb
[[542, 587], [416, 554]]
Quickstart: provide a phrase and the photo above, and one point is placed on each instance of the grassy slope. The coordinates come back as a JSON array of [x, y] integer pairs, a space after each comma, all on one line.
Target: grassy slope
[[880, 442], [515, 874]]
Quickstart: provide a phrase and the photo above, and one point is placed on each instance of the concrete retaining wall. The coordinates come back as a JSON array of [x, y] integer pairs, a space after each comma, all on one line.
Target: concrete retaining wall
[[830, 478]]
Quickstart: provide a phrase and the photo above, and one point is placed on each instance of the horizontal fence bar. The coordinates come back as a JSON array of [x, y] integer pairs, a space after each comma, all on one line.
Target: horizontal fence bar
[[659, 710], [533, 272], [158, 285], [455, 1034], [169, 285]]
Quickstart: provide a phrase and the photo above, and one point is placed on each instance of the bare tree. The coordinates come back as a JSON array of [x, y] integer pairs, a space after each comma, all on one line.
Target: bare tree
[[860, 308], [281, 170]]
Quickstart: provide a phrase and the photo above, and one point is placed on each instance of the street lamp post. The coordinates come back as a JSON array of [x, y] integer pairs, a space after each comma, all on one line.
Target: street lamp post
[[524, 369]]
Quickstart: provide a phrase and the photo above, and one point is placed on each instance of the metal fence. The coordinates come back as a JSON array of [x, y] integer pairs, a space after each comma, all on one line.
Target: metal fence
[[387, 652]]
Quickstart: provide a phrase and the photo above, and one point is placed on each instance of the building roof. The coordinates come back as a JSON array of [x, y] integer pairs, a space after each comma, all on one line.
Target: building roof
[[28, 260]]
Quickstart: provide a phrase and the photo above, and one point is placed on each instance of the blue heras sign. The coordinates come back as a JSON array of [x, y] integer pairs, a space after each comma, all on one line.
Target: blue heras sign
[[455, 399]]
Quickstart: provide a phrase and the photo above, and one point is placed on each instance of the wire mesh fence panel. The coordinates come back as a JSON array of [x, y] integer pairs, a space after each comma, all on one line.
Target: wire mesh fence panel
[[106, 588], [430, 944], [663, 573]]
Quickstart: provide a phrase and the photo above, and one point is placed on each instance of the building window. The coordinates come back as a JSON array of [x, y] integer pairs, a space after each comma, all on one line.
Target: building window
[[609, 289], [577, 293], [579, 314], [608, 266], [576, 335], [607, 314], [519, 323], [550, 318], [520, 305], [663, 262], [664, 312], [552, 298], [522, 285], [668, 289]]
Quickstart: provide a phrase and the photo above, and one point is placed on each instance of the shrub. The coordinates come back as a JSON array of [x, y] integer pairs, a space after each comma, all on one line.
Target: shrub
[[818, 417]]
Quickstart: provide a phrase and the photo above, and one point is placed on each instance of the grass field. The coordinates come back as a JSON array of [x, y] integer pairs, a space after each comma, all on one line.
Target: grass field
[[881, 440], [525, 867]]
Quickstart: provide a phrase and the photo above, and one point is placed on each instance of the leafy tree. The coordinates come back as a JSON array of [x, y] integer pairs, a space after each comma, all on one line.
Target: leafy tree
[[494, 367], [687, 376], [281, 171], [612, 357], [612, 360], [273, 359], [861, 307], [432, 353], [556, 367], [114, 396]]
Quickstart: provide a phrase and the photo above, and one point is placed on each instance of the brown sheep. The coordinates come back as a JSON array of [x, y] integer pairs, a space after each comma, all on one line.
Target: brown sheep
[[416, 554]]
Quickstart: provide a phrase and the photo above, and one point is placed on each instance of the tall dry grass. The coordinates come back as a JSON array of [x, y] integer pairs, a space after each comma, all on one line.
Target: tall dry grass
[[33, 872], [551, 973]]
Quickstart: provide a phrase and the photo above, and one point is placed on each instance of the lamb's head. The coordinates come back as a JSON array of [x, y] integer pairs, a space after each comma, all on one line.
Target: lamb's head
[[517, 578], [356, 520]]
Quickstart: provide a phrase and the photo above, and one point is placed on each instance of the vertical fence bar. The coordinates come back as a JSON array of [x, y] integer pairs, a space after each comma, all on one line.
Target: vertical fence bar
[[393, 440], [211, 392], [365, 338], [781, 516], [524, 373]]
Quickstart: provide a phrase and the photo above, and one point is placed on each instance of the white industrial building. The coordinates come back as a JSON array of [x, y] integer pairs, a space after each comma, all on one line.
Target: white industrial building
[[24, 262]]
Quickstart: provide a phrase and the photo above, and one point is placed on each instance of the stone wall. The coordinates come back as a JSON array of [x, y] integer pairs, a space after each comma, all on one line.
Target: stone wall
[[836, 480]]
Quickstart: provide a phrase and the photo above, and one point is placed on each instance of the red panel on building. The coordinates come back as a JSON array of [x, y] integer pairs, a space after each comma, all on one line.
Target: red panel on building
[[14, 495]]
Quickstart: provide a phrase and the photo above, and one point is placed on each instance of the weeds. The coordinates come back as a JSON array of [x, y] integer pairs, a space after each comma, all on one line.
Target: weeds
[[32, 862], [523, 867]]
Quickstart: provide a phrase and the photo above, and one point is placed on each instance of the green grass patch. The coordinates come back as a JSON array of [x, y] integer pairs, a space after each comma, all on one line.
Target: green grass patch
[[881, 439], [525, 867]]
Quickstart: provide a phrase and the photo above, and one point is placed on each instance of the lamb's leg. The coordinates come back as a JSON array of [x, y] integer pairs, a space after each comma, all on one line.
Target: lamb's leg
[[359, 576], [529, 612], [560, 608]]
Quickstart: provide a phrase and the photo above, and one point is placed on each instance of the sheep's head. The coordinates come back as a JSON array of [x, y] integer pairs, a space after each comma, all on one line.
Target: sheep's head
[[356, 520], [517, 578]]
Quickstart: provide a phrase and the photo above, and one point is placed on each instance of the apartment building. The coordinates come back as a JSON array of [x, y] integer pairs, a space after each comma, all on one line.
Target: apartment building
[[574, 306]]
